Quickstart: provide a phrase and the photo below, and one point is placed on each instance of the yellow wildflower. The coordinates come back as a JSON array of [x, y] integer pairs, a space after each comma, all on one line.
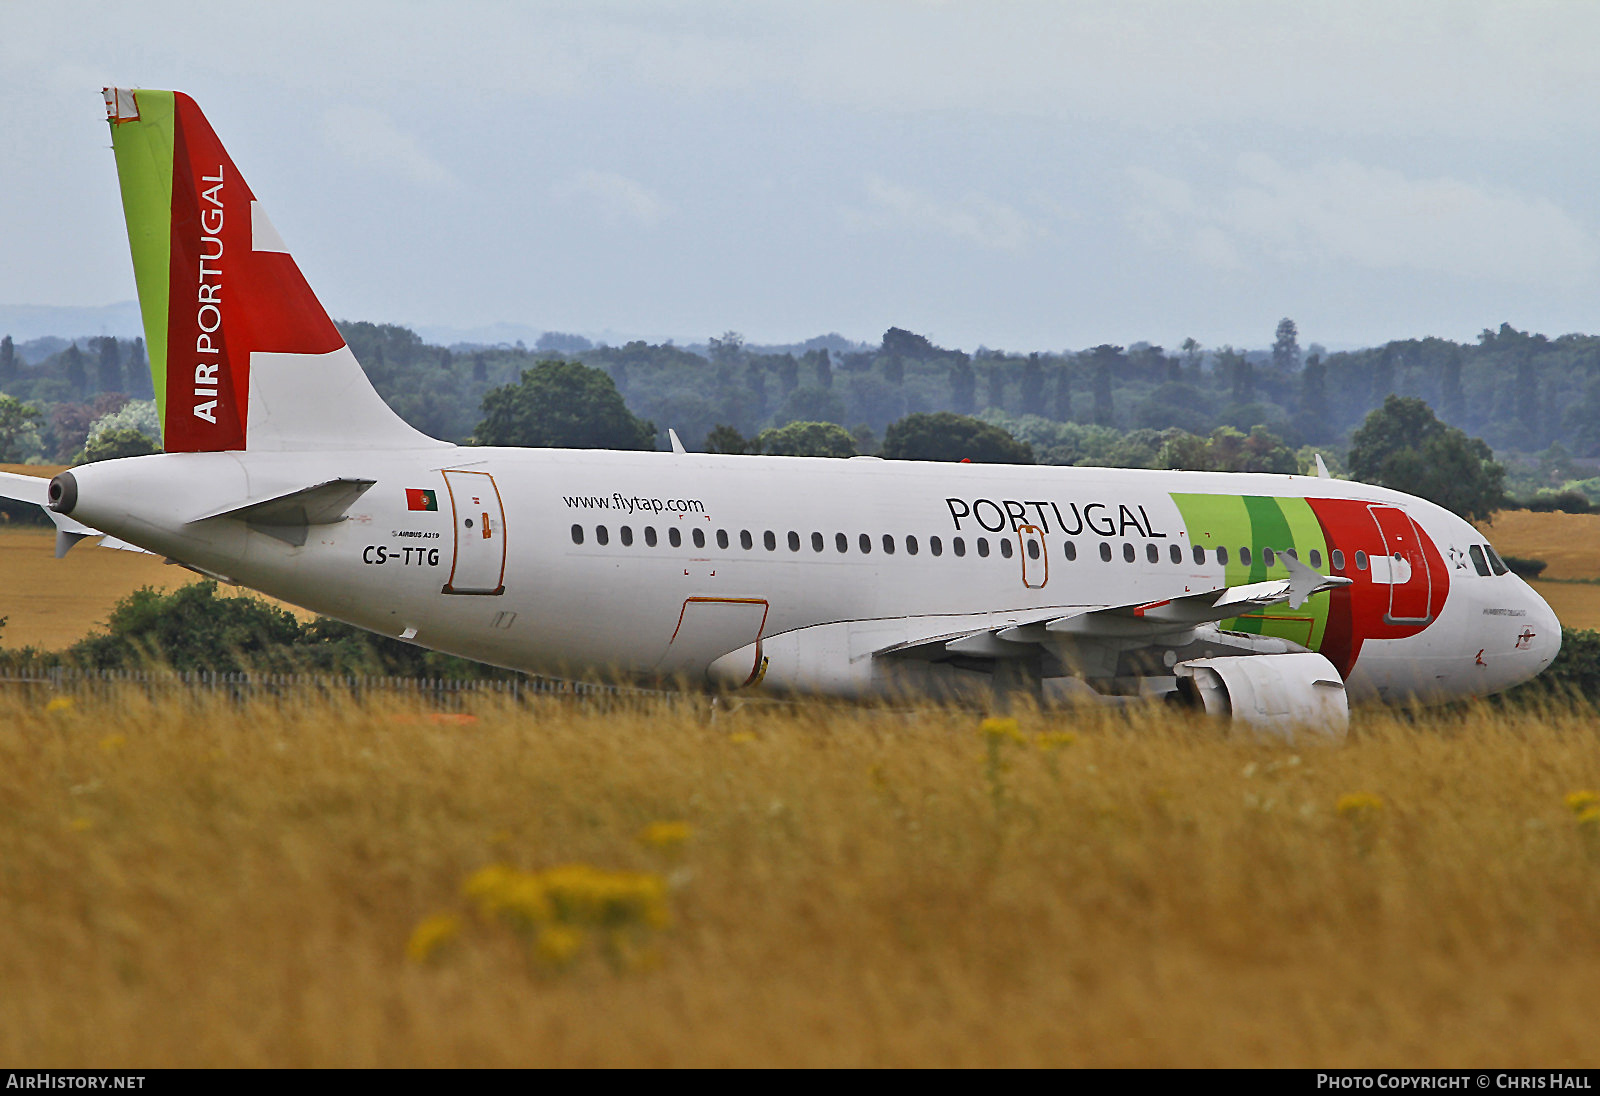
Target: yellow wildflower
[[1359, 805], [432, 934], [1589, 819], [60, 704], [996, 729], [1580, 801], [741, 737], [665, 836], [557, 945], [113, 742], [1054, 740]]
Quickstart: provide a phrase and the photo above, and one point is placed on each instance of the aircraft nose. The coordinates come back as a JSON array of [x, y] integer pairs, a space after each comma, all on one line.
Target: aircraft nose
[[1545, 643]]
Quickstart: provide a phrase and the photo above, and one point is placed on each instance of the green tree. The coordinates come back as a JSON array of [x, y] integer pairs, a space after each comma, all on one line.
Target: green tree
[[111, 444], [944, 436], [811, 405], [563, 405], [725, 439], [19, 430], [1403, 445], [807, 439], [1286, 347], [963, 385], [192, 629]]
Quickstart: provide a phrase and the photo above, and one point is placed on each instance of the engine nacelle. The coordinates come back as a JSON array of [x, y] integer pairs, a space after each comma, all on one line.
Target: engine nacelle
[[1276, 693]]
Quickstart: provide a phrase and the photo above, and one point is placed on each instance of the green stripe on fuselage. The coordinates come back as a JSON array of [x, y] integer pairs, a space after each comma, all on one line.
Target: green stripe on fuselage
[[1257, 522], [144, 168]]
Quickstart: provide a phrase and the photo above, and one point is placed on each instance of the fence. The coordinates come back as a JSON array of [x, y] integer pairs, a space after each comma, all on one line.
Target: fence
[[447, 693]]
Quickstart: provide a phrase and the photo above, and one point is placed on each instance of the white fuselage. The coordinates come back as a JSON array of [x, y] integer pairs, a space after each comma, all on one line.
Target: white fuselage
[[580, 561]]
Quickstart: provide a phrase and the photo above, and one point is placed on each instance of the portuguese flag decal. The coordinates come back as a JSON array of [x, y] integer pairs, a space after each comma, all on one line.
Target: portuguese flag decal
[[419, 499]]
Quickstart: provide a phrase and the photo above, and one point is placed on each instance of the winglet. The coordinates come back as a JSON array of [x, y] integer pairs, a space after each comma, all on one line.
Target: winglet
[[1322, 469], [677, 443], [1303, 581]]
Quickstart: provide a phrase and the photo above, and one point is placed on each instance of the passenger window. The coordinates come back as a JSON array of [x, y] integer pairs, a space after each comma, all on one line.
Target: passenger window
[[841, 542], [1495, 561], [816, 542], [1070, 550], [1268, 557], [958, 546], [983, 547], [1479, 564], [1152, 553], [577, 538], [745, 540], [866, 543], [1199, 554], [1127, 553], [626, 532], [1176, 553], [1005, 547], [1105, 552], [674, 537], [769, 541], [888, 544], [699, 537], [1361, 560], [722, 538], [601, 536], [1316, 559], [1033, 549], [1337, 558], [794, 541], [1222, 555], [936, 546], [1244, 557], [911, 544], [650, 536], [1292, 554]]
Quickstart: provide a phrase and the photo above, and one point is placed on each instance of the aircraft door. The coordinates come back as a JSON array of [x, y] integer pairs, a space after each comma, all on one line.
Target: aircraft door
[[1404, 567], [1035, 561], [479, 562]]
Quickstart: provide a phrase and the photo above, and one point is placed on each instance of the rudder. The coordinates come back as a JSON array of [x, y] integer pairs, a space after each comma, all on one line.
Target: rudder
[[242, 354]]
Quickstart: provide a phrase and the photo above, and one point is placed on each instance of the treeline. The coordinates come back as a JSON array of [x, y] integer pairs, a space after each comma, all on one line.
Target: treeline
[[1534, 399]]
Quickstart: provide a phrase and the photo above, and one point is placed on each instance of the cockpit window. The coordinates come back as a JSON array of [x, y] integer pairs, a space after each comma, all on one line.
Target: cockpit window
[[1495, 562], [1479, 563]]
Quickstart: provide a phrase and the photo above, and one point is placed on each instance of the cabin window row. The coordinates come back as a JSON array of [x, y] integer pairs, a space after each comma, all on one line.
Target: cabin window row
[[912, 546]]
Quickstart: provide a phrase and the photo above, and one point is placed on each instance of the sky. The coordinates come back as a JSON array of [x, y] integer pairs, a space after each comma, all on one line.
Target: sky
[[1021, 176]]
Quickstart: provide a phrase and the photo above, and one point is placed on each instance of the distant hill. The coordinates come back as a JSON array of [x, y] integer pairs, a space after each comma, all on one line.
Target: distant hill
[[25, 322]]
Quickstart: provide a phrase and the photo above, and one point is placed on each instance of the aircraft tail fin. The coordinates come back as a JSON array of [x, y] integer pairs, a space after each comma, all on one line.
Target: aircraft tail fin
[[242, 354]]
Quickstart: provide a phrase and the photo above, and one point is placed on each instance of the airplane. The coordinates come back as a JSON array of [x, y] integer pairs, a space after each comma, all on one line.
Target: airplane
[[1272, 599]]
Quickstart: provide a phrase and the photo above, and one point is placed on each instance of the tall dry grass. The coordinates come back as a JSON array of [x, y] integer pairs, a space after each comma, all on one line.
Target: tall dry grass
[[191, 882]]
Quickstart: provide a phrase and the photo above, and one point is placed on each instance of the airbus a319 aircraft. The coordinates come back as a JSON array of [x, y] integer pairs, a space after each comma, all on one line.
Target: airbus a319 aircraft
[[1272, 598]]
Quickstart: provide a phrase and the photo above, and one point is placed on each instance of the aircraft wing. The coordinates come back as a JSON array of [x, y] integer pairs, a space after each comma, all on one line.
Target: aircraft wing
[[1121, 626]]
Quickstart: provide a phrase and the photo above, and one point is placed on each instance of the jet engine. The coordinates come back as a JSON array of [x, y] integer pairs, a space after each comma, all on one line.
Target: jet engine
[[1276, 693]]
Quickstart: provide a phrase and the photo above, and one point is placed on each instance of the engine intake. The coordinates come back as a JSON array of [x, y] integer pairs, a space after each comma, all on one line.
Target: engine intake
[[1276, 693]]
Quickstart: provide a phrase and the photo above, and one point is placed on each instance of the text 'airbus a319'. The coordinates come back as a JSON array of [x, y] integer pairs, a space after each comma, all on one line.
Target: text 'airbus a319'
[[1274, 598]]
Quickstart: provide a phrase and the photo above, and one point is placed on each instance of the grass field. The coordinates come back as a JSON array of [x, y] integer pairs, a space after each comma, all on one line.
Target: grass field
[[188, 883]]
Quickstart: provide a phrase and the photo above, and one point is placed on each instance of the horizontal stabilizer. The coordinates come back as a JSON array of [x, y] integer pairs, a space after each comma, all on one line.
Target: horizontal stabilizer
[[23, 488], [288, 516]]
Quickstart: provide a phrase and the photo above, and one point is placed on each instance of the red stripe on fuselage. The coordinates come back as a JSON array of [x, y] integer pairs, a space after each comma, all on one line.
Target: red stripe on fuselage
[[1358, 612]]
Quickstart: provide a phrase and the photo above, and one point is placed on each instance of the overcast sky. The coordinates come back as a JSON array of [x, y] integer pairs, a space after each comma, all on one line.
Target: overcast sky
[[1023, 176]]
